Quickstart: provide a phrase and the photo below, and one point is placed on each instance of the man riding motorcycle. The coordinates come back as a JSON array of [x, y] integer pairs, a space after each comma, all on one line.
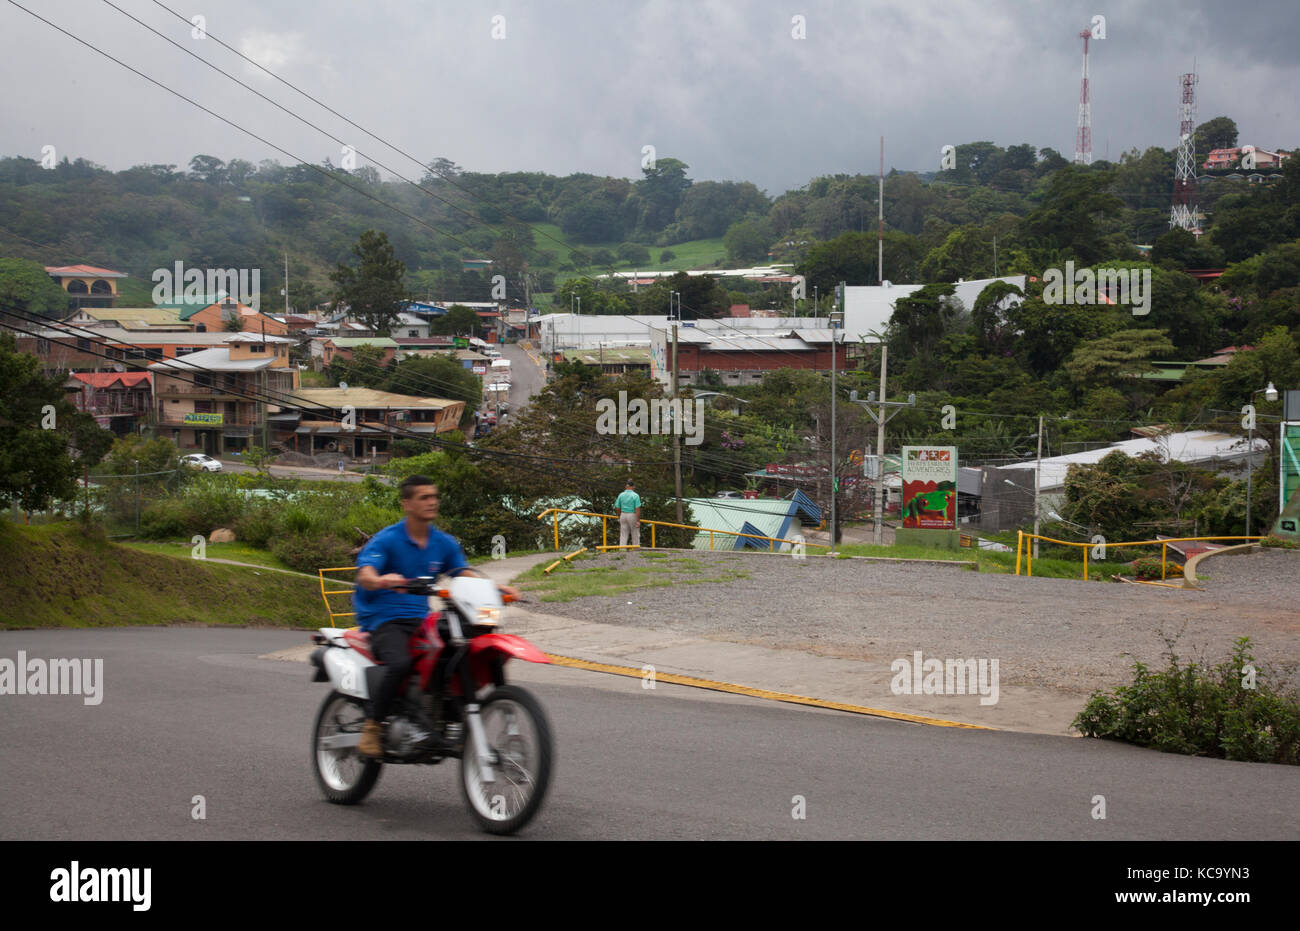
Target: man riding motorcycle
[[410, 548]]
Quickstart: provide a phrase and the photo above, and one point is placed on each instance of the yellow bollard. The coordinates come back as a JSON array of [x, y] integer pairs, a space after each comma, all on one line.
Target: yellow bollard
[[1020, 538], [604, 532], [1164, 554], [556, 517], [1085, 564], [652, 536], [710, 541]]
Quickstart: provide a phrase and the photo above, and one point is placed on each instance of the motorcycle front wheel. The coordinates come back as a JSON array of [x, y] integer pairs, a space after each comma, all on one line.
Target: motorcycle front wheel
[[343, 774], [519, 749]]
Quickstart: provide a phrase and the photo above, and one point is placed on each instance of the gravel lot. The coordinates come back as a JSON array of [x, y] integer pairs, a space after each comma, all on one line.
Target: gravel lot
[[1070, 635]]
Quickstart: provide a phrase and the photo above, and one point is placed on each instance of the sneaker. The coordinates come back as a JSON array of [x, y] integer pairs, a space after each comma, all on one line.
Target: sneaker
[[371, 743]]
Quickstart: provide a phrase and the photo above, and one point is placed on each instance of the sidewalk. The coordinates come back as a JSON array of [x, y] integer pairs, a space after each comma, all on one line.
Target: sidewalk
[[762, 668]]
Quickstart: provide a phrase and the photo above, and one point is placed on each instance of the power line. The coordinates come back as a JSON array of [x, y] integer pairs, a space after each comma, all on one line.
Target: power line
[[248, 132]]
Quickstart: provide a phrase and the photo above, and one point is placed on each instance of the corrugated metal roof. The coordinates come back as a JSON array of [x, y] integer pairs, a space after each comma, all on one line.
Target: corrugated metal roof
[[766, 516], [365, 398], [350, 342], [210, 360], [1192, 446]]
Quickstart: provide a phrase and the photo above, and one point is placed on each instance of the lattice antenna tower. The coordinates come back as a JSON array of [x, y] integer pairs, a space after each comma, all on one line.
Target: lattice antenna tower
[[1083, 137], [1184, 212]]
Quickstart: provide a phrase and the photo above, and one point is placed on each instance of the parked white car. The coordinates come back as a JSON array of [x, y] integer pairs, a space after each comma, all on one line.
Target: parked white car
[[200, 461]]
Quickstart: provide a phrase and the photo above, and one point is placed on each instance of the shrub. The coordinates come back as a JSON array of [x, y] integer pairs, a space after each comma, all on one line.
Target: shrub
[[1231, 711], [1146, 567], [164, 520], [667, 256], [258, 524], [1275, 541], [307, 552]]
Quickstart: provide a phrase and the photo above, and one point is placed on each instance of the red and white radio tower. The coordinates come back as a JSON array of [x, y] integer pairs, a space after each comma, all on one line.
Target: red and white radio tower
[[1083, 138], [1185, 212]]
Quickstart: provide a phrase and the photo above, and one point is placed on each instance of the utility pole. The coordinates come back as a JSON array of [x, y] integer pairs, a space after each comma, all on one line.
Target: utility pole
[[834, 470], [877, 535], [1038, 477], [286, 284], [677, 437], [836, 320]]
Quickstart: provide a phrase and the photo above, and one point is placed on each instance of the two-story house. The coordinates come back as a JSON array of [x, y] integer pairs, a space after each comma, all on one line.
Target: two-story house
[[119, 401], [221, 400]]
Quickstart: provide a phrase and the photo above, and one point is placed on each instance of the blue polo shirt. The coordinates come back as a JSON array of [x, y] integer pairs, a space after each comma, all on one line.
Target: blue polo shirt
[[393, 550]]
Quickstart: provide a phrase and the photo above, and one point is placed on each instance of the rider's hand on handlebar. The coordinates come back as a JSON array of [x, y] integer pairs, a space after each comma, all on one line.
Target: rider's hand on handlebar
[[393, 580], [509, 593]]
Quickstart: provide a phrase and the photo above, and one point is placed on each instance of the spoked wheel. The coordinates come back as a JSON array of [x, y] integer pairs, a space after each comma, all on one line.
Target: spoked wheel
[[344, 775], [519, 752]]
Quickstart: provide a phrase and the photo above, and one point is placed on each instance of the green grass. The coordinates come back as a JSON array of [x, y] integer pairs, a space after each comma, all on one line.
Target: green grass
[[312, 379], [237, 551], [60, 575], [565, 583]]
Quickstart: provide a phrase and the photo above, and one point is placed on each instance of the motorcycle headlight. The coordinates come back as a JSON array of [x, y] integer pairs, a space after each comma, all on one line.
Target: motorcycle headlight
[[488, 617]]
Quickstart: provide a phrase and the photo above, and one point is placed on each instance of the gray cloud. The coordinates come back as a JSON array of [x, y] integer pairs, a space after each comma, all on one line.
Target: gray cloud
[[583, 86]]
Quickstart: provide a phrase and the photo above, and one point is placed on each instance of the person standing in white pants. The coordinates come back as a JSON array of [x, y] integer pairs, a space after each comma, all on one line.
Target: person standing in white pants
[[628, 505]]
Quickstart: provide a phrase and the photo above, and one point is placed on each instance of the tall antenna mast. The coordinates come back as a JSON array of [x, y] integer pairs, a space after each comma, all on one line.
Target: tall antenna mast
[[1083, 137], [1185, 212], [880, 228]]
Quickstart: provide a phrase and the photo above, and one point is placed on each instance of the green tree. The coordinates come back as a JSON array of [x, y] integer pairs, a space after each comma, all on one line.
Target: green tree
[[1218, 133], [748, 240], [45, 443], [660, 192], [437, 376], [459, 320], [1068, 222], [373, 290], [920, 319], [1117, 358], [25, 286]]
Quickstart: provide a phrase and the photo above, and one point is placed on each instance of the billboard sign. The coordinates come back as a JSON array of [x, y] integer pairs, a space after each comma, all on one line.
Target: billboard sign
[[930, 487], [202, 420]]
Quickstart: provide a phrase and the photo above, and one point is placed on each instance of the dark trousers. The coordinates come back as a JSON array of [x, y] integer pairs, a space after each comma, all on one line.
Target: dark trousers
[[390, 644]]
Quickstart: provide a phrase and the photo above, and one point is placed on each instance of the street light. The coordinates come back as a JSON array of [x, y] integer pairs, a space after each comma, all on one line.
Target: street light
[[1270, 394]]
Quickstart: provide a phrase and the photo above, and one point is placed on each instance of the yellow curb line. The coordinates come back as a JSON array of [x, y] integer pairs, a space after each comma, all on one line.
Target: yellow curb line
[[691, 681]]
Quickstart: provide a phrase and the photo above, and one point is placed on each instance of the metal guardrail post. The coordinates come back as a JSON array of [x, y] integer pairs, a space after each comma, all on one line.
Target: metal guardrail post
[[556, 517], [1020, 539], [652, 534]]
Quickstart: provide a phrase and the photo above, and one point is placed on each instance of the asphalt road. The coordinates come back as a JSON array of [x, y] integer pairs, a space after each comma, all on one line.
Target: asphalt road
[[194, 711]]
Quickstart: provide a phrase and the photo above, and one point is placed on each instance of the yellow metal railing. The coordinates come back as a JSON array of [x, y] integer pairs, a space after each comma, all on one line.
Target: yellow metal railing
[[1023, 538], [337, 591], [604, 530]]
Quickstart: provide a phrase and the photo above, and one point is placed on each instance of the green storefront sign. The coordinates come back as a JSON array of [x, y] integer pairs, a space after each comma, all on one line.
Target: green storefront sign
[[202, 420]]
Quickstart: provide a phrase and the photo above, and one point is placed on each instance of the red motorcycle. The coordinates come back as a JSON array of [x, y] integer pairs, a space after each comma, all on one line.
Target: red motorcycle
[[456, 704]]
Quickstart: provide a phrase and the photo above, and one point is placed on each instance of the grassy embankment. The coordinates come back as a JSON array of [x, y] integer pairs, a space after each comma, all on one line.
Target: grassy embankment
[[60, 575], [575, 580]]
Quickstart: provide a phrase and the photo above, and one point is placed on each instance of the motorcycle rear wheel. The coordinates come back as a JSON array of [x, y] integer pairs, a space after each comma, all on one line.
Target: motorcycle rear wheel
[[343, 774], [520, 748]]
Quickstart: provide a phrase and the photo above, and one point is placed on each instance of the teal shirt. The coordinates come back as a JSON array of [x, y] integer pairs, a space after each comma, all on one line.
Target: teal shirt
[[627, 502]]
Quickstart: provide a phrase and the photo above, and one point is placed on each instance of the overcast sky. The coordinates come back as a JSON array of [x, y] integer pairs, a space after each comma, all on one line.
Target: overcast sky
[[583, 87]]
